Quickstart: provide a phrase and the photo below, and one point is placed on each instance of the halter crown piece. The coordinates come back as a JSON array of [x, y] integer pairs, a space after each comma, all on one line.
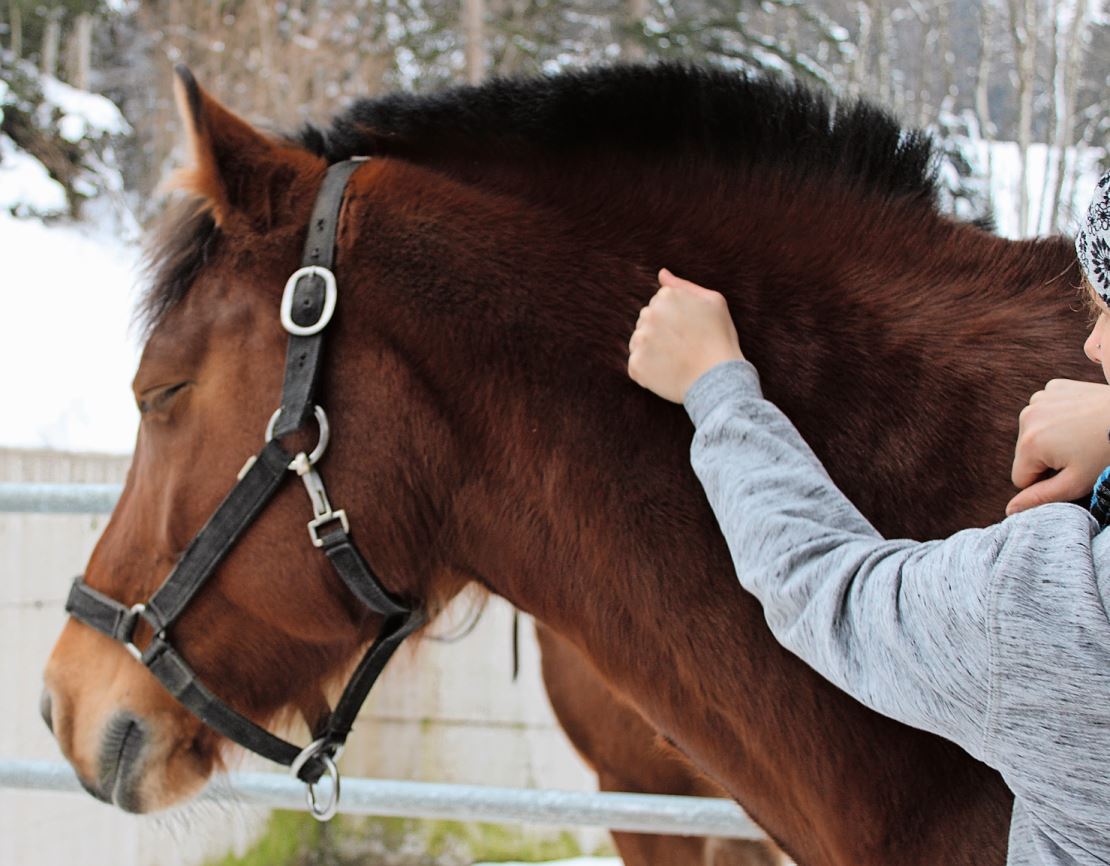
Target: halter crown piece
[[307, 306]]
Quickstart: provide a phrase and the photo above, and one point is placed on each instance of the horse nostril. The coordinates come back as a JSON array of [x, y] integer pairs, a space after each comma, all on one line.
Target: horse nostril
[[121, 761], [46, 707]]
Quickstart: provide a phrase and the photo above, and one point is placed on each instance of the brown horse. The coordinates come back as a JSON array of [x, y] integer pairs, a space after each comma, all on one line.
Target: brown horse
[[493, 261], [627, 755]]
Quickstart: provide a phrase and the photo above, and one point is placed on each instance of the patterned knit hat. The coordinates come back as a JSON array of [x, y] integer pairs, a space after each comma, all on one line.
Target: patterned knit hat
[[1092, 244]]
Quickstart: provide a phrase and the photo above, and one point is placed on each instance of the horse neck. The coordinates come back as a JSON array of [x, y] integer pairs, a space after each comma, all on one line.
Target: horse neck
[[579, 505], [627, 563], [858, 309]]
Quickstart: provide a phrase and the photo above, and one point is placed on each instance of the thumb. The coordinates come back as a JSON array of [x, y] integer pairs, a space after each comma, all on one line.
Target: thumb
[[1062, 487], [666, 278]]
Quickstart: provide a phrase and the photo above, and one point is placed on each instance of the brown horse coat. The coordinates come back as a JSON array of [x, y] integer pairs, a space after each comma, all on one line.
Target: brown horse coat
[[493, 262]]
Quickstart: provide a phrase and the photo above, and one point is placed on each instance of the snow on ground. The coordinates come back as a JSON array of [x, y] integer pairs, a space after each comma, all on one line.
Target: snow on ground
[[66, 352]]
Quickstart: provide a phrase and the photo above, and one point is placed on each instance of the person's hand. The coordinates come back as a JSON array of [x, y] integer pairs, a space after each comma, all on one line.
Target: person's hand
[[1065, 427], [682, 332]]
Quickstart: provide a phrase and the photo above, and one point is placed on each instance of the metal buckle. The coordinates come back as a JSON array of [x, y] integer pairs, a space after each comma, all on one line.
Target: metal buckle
[[137, 611], [330, 296], [329, 753], [321, 445]]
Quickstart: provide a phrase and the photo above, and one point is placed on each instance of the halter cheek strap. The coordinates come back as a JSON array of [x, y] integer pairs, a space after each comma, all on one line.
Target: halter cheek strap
[[308, 304]]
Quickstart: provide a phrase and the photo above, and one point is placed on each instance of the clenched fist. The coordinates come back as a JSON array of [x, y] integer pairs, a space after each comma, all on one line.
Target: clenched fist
[[682, 332]]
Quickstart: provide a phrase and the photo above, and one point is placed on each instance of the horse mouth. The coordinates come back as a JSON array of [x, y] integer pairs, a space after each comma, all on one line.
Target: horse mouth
[[120, 763]]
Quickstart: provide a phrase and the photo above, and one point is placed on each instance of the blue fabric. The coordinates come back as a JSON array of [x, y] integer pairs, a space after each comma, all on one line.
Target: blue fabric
[[1100, 499]]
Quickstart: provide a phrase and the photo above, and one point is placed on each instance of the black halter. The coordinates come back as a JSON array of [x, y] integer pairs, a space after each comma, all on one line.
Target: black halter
[[306, 308]]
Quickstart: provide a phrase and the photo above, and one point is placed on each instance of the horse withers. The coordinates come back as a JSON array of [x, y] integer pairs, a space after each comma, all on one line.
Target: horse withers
[[492, 257]]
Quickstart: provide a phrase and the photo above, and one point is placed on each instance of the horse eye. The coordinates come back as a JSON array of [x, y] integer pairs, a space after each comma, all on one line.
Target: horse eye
[[157, 398]]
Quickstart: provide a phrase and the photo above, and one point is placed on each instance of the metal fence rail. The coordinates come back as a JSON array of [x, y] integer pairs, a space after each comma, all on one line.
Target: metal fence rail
[[636, 813], [58, 498]]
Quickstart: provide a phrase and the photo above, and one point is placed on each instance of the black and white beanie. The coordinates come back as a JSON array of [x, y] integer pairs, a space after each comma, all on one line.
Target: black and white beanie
[[1092, 244]]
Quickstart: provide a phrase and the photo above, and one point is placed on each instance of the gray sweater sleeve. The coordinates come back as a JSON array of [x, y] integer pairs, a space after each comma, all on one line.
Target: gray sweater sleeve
[[994, 638]]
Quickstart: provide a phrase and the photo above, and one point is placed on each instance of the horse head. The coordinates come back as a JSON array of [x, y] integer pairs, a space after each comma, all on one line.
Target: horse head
[[273, 624]]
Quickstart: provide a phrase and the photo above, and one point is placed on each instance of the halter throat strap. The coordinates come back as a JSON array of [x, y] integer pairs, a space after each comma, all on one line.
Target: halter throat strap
[[308, 304]]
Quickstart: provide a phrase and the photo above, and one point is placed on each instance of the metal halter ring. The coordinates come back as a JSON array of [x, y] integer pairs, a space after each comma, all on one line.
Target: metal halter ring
[[321, 749], [138, 610], [330, 296], [321, 445]]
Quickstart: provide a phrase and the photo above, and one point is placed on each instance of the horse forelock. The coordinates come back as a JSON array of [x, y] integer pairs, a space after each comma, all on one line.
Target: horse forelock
[[176, 249]]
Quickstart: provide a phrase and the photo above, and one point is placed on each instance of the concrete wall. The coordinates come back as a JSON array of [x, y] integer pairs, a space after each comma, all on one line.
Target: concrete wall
[[442, 712]]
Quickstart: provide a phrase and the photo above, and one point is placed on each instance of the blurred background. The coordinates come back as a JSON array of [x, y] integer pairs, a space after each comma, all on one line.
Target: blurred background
[[1014, 91], [1028, 73]]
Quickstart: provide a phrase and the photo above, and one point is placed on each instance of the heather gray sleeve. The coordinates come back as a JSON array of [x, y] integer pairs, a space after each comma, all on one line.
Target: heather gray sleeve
[[995, 638], [900, 625]]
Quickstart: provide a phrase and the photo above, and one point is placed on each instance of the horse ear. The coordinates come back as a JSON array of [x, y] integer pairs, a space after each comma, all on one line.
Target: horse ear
[[234, 167]]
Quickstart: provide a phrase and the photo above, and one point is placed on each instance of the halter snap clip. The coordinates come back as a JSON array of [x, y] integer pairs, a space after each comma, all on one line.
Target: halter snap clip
[[321, 506]]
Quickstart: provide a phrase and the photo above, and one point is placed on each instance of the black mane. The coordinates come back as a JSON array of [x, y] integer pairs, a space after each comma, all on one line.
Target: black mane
[[660, 112]]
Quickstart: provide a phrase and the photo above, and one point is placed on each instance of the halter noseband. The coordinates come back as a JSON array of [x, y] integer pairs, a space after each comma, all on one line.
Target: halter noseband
[[306, 308]]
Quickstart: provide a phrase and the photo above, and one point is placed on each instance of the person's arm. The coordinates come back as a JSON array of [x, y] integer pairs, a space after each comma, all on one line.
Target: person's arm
[[911, 629], [899, 625], [902, 626]]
